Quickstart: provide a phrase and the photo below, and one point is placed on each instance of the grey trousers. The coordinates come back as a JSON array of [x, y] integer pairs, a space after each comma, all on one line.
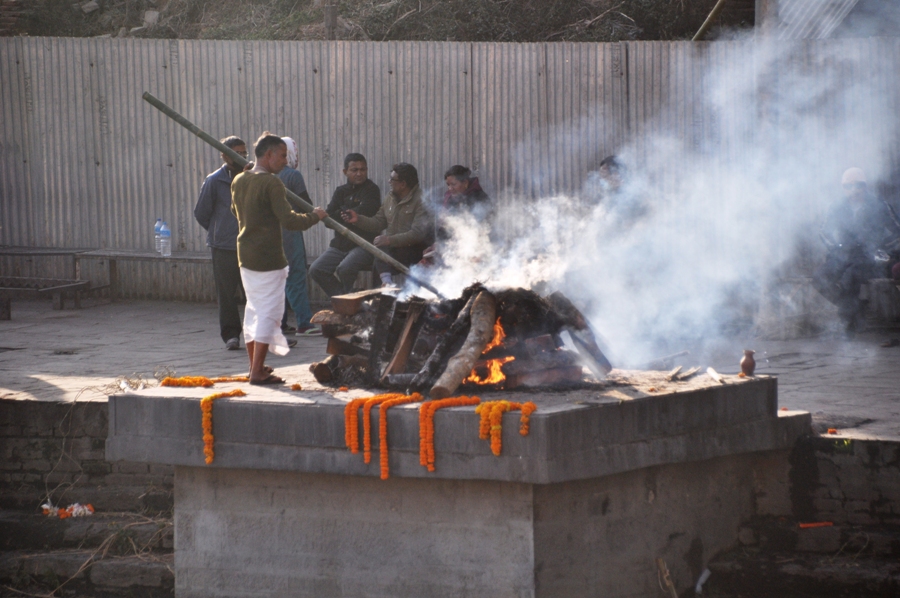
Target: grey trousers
[[335, 270]]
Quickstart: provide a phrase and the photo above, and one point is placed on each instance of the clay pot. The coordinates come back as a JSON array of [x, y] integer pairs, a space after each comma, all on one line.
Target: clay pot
[[748, 364]]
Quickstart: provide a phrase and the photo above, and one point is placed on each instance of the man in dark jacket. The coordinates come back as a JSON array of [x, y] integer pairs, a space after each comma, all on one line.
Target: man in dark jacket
[[855, 229], [336, 269], [213, 212]]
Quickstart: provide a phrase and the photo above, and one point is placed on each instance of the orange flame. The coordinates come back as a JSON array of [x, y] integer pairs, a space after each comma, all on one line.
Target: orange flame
[[494, 373]]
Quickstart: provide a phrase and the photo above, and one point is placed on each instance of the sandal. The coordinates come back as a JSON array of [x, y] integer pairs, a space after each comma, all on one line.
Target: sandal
[[270, 379]]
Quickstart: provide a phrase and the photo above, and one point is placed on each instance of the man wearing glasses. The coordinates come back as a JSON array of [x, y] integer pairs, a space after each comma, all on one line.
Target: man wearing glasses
[[213, 212], [402, 223], [856, 231]]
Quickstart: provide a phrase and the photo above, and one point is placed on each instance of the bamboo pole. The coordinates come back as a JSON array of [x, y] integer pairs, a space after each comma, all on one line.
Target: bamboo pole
[[713, 14], [241, 161]]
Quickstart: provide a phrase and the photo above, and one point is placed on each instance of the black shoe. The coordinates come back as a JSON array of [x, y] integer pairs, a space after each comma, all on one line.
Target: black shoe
[[286, 330], [292, 343], [233, 344]]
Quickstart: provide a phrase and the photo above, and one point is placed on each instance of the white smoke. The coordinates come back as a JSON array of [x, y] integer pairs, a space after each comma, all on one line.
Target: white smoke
[[705, 221]]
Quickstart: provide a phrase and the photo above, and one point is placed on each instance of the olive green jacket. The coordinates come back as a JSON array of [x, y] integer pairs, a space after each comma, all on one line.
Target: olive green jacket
[[261, 207], [405, 220]]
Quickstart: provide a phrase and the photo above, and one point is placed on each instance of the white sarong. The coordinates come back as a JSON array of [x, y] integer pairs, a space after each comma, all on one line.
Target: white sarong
[[265, 307]]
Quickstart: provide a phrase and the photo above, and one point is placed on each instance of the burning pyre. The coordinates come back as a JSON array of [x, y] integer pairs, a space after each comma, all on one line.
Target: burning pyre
[[490, 339]]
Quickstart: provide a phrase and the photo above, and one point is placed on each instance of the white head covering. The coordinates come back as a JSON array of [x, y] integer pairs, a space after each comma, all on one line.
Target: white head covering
[[293, 157], [853, 175]]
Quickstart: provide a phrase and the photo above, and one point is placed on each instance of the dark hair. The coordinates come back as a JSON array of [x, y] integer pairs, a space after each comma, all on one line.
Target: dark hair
[[266, 142], [232, 142], [460, 173], [353, 157], [612, 164], [406, 173]]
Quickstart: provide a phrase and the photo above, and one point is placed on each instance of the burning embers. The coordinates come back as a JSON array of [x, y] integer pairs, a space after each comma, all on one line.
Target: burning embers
[[506, 339]]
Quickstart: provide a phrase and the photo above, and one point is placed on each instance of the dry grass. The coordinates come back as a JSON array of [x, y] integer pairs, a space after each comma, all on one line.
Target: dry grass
[[423, 20]]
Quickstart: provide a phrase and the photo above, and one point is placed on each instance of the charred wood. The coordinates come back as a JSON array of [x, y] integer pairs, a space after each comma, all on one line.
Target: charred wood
[[404, 344], [553, 377], [383, 307], [481, 330], [688, 374], [397, 380], [543, 361], [324, 371], [343, 345], [447, 345]]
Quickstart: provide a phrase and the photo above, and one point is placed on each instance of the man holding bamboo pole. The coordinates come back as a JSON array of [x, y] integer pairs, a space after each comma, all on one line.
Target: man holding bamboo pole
[[261, 207]]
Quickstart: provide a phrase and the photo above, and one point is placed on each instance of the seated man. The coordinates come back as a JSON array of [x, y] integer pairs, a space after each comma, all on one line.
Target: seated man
[[855, 229], [464, 195], [403, 220], [336, 269]]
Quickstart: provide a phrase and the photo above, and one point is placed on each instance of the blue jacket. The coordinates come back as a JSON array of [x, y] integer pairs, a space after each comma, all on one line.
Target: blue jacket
[[213, 210]]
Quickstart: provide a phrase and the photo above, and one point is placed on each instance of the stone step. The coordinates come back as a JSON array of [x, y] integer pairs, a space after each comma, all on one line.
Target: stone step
[[89, 573], [765, 574], [118, 533], [786, 535]]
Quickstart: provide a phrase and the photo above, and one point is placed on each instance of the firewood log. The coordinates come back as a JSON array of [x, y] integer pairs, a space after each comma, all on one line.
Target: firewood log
[[435, 363], [481, 331], [351, 303], [384, 305]]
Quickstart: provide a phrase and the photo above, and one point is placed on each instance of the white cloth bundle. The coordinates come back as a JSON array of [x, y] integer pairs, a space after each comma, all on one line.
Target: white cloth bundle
[[265, 306]]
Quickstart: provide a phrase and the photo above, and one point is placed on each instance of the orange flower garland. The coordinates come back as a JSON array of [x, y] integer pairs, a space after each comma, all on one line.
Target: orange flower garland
[[187, 381], [527, 409], [491, 423], [351, 424], [206, 407], [382, 428], [194, 381], [367, 420], [426, 425]]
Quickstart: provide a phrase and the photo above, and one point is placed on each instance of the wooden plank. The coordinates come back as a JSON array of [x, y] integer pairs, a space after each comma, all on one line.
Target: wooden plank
[[407, 338], [341, 345], [351, 303]]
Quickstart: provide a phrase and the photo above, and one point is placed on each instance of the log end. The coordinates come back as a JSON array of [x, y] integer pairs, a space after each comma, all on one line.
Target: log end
[[439, 392]]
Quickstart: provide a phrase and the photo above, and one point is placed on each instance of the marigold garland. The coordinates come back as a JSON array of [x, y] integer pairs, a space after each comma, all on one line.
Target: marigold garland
[[382, 428], [187, 381], [351, 424], [426, 425], [194, 381], [206, 407], [367, 420], [491, 423], [231, 379], [296, 387]]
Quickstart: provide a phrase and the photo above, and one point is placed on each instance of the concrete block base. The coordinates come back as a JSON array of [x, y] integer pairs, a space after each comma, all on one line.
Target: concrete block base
[[242, 533]]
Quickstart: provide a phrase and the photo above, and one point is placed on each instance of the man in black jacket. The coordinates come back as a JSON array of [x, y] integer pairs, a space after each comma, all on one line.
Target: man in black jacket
[[213, 212], [336, 269]]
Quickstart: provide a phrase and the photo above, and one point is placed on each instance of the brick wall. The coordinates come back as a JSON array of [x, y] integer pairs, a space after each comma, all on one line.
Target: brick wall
[[58, 449], [856, 482]]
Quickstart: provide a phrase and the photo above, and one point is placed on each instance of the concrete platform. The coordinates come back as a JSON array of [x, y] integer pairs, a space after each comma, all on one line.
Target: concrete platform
[[609, 478], [616, 427]]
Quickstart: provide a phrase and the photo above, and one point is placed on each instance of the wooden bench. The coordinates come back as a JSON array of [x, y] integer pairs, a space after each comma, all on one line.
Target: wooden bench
[[113, 256], [16, 287], [20, 251]]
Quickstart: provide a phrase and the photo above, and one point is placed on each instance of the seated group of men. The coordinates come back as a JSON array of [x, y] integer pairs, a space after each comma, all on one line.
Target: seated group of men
[[254, 227]]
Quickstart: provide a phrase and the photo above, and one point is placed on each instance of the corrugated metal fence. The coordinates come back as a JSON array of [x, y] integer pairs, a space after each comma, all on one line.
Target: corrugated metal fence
[[84, 162]]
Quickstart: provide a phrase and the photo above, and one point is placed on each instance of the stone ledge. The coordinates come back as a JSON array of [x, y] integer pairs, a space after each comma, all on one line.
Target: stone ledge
[[593, 437]]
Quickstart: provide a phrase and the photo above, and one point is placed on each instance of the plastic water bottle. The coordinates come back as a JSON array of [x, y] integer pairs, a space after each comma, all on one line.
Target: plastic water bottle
[[156, 234], [165, 240]]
